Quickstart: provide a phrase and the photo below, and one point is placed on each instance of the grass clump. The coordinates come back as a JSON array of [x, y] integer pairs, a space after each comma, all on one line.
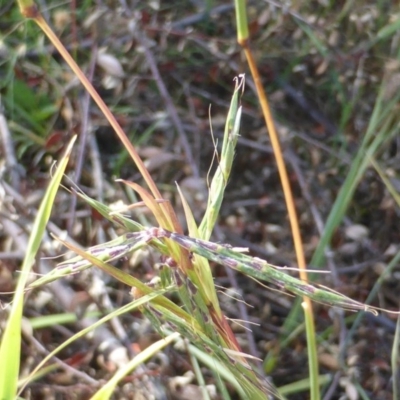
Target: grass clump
[[342, 172]]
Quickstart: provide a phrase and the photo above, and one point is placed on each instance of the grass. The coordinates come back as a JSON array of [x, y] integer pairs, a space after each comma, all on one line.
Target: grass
[[342, 134]]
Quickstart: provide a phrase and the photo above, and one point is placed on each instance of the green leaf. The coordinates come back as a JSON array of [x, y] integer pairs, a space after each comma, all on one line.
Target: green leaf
[[10, 347]]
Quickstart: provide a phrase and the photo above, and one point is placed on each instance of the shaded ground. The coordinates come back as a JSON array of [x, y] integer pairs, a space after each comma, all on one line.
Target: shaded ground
[[322, 66]]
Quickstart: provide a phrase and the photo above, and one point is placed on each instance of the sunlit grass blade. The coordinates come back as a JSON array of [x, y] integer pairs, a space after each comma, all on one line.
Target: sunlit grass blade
[[225, 161], [107, 390], [385, 179], [221, 372], [127, 308], [303, 385], [395, 361], [256, 389], [381, 129], [109, 214], [10, 347], [202, 271]]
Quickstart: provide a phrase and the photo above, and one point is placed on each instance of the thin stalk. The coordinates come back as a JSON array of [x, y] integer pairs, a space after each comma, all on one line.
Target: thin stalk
[[243, 39], [395, 362], [29, 10]]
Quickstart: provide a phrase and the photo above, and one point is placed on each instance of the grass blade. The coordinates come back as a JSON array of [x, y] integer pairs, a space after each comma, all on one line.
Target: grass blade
[[10, 347], [395, 362], [107, 390], [127, 308], [221, 176]]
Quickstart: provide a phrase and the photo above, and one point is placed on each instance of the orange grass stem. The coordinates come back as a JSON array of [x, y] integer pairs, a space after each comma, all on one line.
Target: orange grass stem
[[37, 17], [99, 101], [280, 162], [307, 304]]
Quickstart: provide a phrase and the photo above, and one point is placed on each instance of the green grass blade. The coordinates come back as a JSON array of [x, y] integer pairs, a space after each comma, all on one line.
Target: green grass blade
[[369, 147], [303, 385], [112, 216], [107, 390], [221, 176], [395, 361], [10, 347], [217, 366], [312, 353], [127, 308], [199, 376], [385, 179], [381, 129], [202, 275]]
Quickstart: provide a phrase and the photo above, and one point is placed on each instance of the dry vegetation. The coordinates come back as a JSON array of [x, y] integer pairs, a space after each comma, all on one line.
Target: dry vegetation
[[323, 65]]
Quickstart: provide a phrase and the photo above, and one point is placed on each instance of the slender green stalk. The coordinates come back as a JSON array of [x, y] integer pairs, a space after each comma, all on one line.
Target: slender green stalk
[[311, 350], [395, 362], [108, 389], [242, 26]]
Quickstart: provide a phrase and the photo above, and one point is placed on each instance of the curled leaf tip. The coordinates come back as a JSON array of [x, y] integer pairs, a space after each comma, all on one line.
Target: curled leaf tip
[[371, 310]]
